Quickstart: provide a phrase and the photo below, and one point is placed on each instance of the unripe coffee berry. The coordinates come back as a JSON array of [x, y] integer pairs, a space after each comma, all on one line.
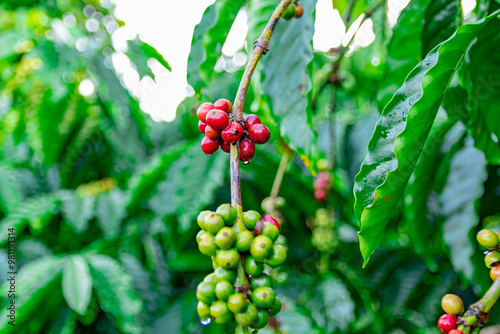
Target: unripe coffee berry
[[232, 133], [206, 292], [278, 256], [225, 238], [220, 312], [488, 239], [223, 290], [209, 146], [203, 310], [276, 308], [264, 280], [199, 234], [271, 231], [226, 147], [223, 274], [247, 317], [202, 126], [262, 319], [495, 273], [250, 218], [206, 244], [227, 258], [201, 219], [210, 278], [244, 241], [252, 267], [492, 259], [447, 322], [289, 12], [452, 304], [224, 105], [263, 297], [202, 111], [236, 303], [299, 10], [259, 134], [213, 223], [217, 119], [251, 120], [262, 248], [247, 150], [212, 133], [273, 221], [228, 213]]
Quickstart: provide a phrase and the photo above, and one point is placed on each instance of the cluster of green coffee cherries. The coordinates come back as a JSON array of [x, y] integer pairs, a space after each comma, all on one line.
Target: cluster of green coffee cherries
[[491, 241], [249, 300]]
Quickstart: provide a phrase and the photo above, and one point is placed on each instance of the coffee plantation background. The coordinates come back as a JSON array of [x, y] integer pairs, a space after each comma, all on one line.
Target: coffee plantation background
[[104, 200]]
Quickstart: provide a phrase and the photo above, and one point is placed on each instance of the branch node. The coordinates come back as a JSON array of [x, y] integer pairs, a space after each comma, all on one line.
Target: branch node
[[259, 44]]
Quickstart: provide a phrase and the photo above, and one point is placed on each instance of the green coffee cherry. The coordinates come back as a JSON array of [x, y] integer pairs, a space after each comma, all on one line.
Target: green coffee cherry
[[206, 244], [262, 248], [244, 241], [491, 259], [213, 223], [452, 304], [278, 256], [223, 290], [276, 308], [210, 278], [220, 312], [203, 310], [201, 219], [222, 274], [253, 267], [199, 234], [225, 238], [227, 258], [263, 297], [488, 239], [206, 292], [215, 265], [262, 319], [263, 280], [250, 218], [267, 204], [228, 214], [271, 231], [289, 12], [236, 303], [281, 240], [249, 316]]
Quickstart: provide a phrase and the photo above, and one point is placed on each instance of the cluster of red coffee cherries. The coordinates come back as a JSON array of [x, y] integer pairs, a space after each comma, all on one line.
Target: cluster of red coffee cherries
[[221, 130], [322, 186]]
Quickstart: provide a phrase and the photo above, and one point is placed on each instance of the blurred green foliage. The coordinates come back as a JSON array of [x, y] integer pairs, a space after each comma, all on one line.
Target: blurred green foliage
[[103, 199]]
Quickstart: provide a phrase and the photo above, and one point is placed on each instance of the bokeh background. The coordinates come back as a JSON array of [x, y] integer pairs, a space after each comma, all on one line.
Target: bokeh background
[[102, 176]]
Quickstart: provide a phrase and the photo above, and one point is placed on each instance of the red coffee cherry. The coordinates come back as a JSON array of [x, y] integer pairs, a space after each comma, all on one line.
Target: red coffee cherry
[[225, 146], [251, 120], [447, 322], [212, 133], [202, 111], [217, 119], [272, 220], [455, 331], [224, 105], [247, 150], [320, 194], [202, 126], [299, 10], [323, 181], [259, 133], [209, 146], [232, 133]]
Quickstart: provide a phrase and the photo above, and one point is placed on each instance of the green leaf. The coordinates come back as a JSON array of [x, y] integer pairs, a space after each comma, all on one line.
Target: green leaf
[[76, 210], [458, 203], [208, 38], [440, 22], [110, 211], [114, 288], [404, 50], [401, 133], [193, 195], [10, 194], [259, 12], [339, 307], [483, 100], [77, 284], [13, 41], [286, 79], [139, 52]]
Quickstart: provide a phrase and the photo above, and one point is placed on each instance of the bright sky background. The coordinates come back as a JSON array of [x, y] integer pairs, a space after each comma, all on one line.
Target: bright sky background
[[168, 26]]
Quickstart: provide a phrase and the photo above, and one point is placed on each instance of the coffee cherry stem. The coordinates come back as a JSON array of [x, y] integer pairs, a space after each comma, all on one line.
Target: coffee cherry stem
[[279, 176], [477, 314]]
